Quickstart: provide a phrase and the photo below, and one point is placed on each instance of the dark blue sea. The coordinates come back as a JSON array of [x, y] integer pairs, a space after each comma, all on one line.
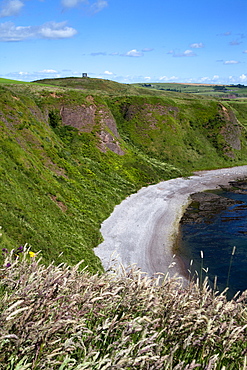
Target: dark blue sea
[[222, 243]]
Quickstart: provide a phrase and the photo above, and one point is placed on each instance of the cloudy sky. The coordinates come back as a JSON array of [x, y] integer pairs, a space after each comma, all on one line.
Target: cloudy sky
[[125, 40]]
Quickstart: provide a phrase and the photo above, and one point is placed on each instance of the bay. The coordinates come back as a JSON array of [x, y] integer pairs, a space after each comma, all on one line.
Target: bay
[[221, 240]]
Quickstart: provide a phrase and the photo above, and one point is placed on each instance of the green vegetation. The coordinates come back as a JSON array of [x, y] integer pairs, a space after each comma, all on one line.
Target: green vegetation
[[56, 318], [7, 81], [184, 132], [72, 151], [93, 85], [57, 185]]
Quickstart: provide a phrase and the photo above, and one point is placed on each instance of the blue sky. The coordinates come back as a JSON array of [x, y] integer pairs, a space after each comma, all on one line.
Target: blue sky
[[196, 41]]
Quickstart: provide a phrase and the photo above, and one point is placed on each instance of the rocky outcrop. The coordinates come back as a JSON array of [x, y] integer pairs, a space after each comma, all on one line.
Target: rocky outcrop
[[81, 117], [92, 117], [231, 131], [205, 206]]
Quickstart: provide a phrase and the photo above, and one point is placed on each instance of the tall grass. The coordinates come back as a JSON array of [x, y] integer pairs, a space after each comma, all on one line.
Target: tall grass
[[230, 265], [58, 317]]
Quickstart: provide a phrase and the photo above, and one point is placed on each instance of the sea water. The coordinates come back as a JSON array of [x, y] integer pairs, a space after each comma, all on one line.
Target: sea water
[[218, 249]]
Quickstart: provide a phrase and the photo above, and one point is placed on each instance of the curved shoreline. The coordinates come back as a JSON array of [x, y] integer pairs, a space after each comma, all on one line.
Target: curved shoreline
[[142, 228]]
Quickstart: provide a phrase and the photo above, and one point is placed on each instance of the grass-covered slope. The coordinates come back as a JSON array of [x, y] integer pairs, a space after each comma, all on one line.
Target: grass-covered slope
[[189, 132], [58, 182], [7, 81], [69, 154]]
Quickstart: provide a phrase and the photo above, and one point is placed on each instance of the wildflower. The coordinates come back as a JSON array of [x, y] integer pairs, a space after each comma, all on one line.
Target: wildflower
[[8, 264], [5, 250], [20, 249], [32, 254]]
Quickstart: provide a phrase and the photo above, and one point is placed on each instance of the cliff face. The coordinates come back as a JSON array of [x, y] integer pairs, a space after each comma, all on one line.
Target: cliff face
[[87, 118], [153, 122], [68, 157], [230, 130], [187, 133]]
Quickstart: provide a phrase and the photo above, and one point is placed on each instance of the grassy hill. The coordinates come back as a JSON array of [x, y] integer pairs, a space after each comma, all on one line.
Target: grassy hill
[[6, 81], [73, 148]]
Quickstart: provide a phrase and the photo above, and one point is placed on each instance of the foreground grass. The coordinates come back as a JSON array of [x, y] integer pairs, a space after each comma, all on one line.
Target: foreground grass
[[58, 317]]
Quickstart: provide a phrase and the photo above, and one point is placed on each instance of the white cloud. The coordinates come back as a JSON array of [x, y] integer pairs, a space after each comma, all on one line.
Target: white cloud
[[245, 51], [95, 7], [205, 79], [134, 53], [165, 78], [108, 73], [50, 30], [220, 80], [243, 78], [72, 3], [98, 6], [98, 53], [186, 53], [31, 76], [197, 45], [53, 30], [23, 73], [231, 62], [147, 50], [10, 8], [48, 71], [10, 32]]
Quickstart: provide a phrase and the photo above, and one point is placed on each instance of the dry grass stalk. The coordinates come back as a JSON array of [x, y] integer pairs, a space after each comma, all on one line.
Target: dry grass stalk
[[58, 317]]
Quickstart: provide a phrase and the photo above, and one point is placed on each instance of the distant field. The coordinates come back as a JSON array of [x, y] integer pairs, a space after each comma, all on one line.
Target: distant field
[[222, 91]]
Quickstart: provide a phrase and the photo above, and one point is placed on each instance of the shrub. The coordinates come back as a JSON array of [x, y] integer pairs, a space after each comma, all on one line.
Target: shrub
[[54, 118]]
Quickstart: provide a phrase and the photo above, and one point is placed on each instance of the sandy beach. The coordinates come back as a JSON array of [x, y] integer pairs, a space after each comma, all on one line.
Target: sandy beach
[[142, 229]]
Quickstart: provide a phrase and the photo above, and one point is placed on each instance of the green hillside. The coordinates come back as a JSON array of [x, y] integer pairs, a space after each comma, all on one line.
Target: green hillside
[[8, 81], [71, 149]]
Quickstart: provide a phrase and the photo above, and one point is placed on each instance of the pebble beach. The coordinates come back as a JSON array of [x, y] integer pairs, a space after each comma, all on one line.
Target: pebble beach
[[142, 229]]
